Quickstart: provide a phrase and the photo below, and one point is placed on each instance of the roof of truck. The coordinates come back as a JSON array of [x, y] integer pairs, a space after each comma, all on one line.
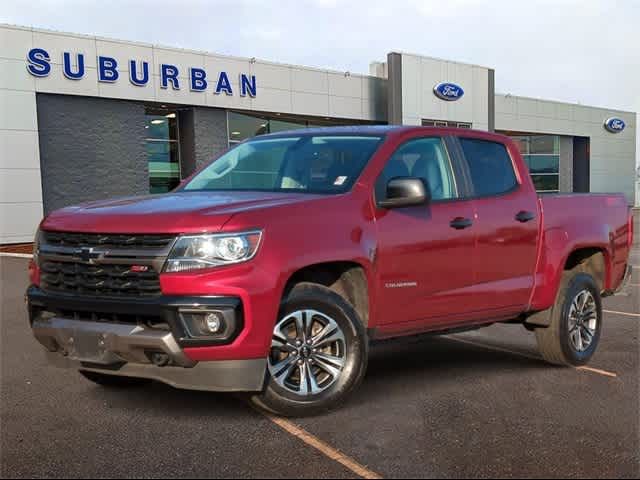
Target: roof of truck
[[382, 130]]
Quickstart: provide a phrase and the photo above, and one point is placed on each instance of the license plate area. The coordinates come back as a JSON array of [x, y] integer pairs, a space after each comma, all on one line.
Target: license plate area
[[89, 347]]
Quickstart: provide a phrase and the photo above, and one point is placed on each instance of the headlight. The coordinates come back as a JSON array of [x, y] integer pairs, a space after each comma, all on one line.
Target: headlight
[[193, 252]]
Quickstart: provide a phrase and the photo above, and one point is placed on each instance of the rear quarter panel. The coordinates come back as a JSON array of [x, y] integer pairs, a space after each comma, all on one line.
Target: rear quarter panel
[[576, 221]]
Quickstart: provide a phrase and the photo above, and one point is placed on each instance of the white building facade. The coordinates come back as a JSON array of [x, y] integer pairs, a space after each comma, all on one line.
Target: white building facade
[[84, 118]]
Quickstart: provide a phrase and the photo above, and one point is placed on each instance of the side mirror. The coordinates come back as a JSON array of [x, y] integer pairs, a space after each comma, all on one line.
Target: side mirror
[[405, 192]]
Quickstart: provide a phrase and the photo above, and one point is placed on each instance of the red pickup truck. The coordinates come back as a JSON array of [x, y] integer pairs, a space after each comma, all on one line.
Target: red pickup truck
[[272, 268]]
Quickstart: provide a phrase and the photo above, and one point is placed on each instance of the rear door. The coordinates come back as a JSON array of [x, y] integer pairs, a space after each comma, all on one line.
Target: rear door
[[425, 252], [506, 227]]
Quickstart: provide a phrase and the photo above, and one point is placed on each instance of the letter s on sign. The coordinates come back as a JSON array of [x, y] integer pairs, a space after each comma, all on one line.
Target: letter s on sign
[[39, 65]]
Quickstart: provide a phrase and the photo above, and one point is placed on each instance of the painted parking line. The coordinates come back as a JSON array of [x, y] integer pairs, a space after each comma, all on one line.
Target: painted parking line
[[497, 349], [324, 448], [622, 313], [597, 370], [533, 357]]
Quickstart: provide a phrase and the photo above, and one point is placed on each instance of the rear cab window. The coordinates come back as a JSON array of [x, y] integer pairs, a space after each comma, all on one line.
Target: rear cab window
[[490, 167]]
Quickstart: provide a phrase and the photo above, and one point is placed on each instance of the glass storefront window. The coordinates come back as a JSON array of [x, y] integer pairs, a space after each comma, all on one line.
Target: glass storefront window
[[544, 144], [541, 153], [546, 183], [163, 152], [522, 143], [543, 163], [243, 125], [282, 126]]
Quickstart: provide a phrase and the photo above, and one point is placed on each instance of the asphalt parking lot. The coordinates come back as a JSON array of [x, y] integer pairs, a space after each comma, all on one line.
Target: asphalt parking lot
[[477, 404]]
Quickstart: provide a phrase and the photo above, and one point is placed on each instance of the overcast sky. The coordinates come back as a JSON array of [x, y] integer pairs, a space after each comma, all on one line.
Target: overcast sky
[[585, 51]]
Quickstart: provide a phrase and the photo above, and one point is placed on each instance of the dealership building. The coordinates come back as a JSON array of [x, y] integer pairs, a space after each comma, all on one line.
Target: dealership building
[[85, 118]]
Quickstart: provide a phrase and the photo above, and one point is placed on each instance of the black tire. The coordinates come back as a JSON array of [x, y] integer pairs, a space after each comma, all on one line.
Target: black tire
[[279, 400], [113, 381], [554, 341]]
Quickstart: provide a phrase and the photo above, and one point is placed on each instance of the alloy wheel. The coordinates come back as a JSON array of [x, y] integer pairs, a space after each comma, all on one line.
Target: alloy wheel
[[583, 321], [308, 352]]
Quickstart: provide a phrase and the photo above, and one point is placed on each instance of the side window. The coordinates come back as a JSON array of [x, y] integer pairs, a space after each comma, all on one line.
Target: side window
[[424, 158], [490, 166]]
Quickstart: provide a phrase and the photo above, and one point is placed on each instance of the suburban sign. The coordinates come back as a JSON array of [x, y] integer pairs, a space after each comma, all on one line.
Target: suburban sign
[[614, 125], [448, 91], [109, 70]]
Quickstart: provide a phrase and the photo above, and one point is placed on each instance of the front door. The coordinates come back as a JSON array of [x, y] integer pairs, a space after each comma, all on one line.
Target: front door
[[425, 253]]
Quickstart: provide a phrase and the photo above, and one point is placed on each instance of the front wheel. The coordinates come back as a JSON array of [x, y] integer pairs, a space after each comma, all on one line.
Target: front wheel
[[318, 353], [576, 322]]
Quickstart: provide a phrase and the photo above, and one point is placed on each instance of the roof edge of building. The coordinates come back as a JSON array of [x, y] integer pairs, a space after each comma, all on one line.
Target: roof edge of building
[[574, 104]]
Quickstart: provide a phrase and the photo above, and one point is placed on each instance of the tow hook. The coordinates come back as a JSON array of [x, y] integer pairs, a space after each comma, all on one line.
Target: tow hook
[[159, 359]]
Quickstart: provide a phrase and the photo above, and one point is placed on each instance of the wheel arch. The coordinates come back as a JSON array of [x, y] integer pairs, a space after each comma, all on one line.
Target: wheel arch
[[593, 260], [347, 278]]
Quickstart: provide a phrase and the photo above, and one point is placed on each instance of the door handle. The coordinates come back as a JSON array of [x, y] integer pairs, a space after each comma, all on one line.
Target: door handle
[[524, 216], [460, 223]]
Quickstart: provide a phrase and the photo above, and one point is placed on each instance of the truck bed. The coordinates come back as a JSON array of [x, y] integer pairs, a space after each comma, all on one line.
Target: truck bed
[[578, 220]]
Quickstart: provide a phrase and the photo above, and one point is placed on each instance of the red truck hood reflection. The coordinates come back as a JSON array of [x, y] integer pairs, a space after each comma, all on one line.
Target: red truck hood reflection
[[170, 213]]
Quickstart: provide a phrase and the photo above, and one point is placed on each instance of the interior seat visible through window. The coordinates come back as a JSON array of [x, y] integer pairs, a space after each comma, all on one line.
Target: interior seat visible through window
[[428, 168], [424, 158]]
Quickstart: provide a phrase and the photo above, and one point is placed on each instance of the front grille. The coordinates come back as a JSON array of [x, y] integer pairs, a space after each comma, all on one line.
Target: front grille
[[100, 280], [116, 241]]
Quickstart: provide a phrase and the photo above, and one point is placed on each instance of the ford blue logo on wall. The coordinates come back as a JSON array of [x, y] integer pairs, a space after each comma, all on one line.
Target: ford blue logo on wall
[[448, 91], [614, 125]]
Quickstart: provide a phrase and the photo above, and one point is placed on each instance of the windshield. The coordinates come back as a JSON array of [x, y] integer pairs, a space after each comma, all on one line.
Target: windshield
[[304, 163]]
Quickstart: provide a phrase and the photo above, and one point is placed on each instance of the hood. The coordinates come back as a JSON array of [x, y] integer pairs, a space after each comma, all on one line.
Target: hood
[[179, 212]]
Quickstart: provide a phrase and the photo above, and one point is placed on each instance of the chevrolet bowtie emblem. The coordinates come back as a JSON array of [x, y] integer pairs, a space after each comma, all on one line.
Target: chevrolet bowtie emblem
[[89, 255]]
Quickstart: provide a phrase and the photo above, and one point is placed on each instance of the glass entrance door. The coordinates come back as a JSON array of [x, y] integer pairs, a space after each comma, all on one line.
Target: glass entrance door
[[163, 150]]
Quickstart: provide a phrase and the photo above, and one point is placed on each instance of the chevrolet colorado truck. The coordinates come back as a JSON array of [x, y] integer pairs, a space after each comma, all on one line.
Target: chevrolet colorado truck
[[271, 269]]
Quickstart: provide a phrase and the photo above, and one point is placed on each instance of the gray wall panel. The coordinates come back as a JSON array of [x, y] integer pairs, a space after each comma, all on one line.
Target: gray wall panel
[[566, 164], [210, 133], [90, 149]]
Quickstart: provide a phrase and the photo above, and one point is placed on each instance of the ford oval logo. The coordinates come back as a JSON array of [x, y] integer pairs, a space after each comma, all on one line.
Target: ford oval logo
[[614, 125], [448, 91]]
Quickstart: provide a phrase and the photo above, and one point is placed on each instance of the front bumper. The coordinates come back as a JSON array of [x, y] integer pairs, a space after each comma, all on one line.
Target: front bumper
[[218, 376], [164, 309], [143, 338]]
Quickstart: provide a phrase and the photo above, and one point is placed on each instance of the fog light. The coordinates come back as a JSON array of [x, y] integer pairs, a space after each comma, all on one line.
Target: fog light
[[214, 322], [204, 324]]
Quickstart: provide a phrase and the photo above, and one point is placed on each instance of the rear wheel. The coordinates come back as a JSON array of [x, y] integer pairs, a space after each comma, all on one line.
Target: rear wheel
[[576, 322], [113, 381], [318, 353]]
